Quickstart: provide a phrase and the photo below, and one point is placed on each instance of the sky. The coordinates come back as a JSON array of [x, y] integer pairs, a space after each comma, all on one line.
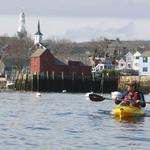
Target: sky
[[79, 20]]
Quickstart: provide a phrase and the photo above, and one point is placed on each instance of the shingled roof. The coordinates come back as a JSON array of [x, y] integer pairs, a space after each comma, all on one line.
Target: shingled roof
[[146, 53], [38, 52], [81, 58]]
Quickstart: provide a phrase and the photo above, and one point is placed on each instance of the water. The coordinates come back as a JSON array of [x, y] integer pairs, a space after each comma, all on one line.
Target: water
[[65, 121]]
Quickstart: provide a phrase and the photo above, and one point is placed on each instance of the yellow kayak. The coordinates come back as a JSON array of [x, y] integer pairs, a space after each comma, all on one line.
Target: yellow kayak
[[128, 111]]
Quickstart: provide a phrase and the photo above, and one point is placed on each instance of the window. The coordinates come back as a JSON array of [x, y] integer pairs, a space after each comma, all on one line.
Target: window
[[145, 69], [137, 57], [145, 60], [122, 64], [129, 65], [101, 67]]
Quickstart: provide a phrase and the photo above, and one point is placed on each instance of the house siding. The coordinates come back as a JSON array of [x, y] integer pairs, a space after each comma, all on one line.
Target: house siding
[[136, 61], [144, 65]]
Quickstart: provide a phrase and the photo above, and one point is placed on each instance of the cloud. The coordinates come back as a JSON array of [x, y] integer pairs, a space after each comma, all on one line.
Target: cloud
[[124, 32], [81, 34], [85, 33], [78, 8], [80, 29]]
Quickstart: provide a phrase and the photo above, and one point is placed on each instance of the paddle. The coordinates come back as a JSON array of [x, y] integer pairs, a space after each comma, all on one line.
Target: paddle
[[99, 98]]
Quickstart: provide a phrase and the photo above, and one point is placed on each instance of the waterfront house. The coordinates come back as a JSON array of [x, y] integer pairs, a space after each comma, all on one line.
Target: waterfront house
[[43, 61], [136, 57], [98, 68], [144, 63], [129, 60], [121, 64], [101, 64]]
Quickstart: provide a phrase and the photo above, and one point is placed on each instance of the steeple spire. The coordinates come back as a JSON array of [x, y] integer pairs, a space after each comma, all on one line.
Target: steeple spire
[[38, 35], [21, 32], [39, 31]]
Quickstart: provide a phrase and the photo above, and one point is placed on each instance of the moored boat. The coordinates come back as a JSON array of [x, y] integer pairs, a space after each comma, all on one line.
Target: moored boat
[[128, 111]]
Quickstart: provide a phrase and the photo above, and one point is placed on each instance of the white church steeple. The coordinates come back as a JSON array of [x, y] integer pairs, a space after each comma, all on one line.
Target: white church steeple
[[21, 32], [38, 35]]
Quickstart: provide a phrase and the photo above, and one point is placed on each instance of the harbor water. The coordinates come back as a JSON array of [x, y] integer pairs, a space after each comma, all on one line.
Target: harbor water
[[65, 121]]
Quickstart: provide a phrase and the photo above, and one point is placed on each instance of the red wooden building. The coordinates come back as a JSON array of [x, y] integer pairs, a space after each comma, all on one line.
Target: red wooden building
[[43, 61]]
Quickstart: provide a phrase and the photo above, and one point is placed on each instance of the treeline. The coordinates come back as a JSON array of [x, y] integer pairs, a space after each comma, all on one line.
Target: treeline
[[15, 52]]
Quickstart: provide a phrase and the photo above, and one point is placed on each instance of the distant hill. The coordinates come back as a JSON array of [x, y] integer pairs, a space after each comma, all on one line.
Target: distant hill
[[17, 52], [105, 47]]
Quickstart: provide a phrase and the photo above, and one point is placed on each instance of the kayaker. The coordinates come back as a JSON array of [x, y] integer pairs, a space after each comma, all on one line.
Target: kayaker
[[132, 96]]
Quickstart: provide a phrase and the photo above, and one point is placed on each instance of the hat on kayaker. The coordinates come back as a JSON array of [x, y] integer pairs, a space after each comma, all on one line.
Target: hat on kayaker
[[132, 83]]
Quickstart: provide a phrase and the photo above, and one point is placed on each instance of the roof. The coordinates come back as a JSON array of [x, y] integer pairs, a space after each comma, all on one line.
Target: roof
[[38, 33], [146, 53], [58, 62], [78, 58], [38, 52], [128, 53], [122, 59]]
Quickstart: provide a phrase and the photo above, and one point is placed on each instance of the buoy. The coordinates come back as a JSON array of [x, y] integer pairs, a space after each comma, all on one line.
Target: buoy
[[38, 94], [64, 91]]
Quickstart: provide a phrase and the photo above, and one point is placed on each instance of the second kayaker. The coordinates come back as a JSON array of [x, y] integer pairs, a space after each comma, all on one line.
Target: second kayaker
[[132, 96]]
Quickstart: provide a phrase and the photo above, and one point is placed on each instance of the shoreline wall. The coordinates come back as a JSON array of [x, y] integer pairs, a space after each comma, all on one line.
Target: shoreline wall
[[73, 84], [142, 81]]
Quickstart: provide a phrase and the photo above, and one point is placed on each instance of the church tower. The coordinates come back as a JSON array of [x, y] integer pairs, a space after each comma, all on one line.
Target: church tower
[[21, 32], [38, 35]]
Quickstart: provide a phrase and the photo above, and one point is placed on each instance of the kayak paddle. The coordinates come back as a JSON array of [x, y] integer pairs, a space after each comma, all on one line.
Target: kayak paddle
[[97, 98]]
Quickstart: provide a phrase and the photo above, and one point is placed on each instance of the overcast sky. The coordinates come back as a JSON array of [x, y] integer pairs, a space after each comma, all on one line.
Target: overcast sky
[[79, 20]]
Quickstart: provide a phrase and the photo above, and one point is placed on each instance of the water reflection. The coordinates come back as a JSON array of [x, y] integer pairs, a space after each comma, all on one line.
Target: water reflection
[[129, 119]]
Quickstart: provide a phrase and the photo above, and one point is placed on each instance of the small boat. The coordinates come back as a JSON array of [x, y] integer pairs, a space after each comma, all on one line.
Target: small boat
[[128, 111]]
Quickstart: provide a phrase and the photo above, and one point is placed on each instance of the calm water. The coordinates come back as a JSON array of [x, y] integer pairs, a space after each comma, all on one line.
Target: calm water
[[57, 121]]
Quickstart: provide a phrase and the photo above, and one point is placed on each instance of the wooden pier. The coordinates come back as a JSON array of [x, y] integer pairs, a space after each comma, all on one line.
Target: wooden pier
[[51, 83]]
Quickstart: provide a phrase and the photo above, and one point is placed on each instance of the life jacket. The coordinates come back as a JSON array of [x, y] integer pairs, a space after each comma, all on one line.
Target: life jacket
[[131, 98]]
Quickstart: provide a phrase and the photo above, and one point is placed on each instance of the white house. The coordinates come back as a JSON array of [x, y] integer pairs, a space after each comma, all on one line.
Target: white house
[[101, 67], [105, 64], [129, 60], [98, 68], [121, 64], [136, 57], [144, 63]]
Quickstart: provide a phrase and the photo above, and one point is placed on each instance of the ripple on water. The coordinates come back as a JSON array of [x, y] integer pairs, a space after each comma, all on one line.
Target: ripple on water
[[63, 114], [37, 128], [66, 122]]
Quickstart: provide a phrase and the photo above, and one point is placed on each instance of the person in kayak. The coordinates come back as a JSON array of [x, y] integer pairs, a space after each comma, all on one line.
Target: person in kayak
[[132, 96]]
